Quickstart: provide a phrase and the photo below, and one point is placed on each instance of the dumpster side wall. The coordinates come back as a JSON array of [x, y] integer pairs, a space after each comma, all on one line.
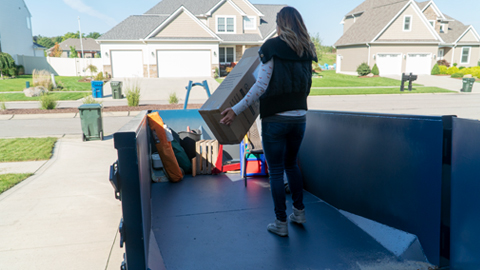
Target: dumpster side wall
[[465, 217], [387, 168]]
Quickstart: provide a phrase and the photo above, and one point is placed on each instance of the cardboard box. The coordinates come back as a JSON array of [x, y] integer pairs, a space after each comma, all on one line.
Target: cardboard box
[[235, 86]]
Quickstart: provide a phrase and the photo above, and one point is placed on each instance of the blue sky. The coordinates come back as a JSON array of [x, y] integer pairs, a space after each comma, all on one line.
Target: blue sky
[[323, 17]]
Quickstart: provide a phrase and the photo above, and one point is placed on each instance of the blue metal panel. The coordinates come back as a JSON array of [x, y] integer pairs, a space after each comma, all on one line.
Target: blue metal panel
[[465, 211], [387, 168]]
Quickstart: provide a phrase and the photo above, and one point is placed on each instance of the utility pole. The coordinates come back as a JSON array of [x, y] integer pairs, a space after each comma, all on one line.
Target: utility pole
[[81, 44]]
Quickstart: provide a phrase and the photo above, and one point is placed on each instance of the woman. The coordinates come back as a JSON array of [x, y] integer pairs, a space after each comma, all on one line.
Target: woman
[[283, 84]]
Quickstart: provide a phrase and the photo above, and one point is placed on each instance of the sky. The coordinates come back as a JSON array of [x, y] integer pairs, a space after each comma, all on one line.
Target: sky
[[57, 17]]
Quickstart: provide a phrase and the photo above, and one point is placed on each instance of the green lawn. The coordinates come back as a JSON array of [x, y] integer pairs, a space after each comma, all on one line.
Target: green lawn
[[69, 83], [332, 79], [9, 180], [369, 91], [57, 96], [329, 58], [26, 149]]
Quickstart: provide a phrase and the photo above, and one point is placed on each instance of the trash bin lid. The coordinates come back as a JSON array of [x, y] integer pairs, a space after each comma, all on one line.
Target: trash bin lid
[[90, 106], [115, 83]]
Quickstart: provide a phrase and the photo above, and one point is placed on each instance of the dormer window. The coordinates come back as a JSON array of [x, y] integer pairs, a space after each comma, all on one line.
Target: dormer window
[[407, 23], [442, 28], [249, 23], [432, 22], [226, 24]]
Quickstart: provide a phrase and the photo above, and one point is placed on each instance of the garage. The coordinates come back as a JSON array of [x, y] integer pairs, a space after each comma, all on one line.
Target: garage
[[127, 64], [184, 63], [419, 63], [389, 63]]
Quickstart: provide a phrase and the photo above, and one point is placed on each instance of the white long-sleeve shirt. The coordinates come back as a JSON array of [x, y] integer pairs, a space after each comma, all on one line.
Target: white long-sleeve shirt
[[259, 88]]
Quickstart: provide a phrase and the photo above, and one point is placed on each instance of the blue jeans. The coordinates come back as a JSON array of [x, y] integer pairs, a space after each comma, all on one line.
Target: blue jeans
[[281, 142]]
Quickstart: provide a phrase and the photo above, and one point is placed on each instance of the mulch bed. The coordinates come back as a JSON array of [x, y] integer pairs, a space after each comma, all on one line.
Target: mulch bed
[[105, 109]]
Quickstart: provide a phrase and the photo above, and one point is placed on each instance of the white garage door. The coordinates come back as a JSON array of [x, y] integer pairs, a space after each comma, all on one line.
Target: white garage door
[[127, 64], [178, 63], [389, 63], [419, 63]]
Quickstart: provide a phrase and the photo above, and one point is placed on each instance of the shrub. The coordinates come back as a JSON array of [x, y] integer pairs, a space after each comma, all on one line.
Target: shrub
[[6, 62], [465, 70], [363, 69], [443, 62], [172, 98], [47, 102], [475, 71], [443, 69], [92, 68], [21, 70], [455, 64], [457, 75], [99, 76], [461, 68], [435, 70], [90, 100], [452, 70], [216, 73], [13, 71], [132, 93], [3, 106], [375, 70], [42, 78]]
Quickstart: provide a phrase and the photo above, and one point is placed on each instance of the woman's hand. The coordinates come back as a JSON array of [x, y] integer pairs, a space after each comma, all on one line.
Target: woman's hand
[[228, 116]]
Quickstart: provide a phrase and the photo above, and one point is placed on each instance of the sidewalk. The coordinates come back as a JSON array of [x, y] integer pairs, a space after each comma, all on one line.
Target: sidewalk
[[65, 216]]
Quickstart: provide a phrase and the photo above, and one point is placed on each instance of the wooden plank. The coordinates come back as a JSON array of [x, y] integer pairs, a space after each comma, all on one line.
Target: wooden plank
[[203, 146], [194, 166], [209, 156], [199, 156]]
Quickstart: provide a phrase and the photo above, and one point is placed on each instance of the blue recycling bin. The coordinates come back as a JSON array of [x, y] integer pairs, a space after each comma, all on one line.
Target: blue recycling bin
[[97, 89]]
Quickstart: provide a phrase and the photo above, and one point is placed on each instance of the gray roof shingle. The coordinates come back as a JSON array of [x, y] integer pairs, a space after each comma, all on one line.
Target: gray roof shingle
[[89, 44], [455, 29], [134, 27], [197, 7], [268, 22]]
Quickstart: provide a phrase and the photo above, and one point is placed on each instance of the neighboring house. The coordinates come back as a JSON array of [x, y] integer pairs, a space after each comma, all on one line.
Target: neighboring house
[[186, 38], [90, 47], [16, 29], [404, 36]]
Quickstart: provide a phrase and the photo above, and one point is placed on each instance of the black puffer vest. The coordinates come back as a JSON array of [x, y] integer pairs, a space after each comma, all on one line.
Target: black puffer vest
[[291, 78]]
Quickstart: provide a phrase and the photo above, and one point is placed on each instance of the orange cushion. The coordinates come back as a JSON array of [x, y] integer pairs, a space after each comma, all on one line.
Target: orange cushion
[[164, 148]]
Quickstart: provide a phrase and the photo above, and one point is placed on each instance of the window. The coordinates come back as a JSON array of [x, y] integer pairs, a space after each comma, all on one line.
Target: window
[[227, 54], [407, 23], [29, 23], [249, 22], [432, 22], [441, 53], [465, 55], [226, 24], [442, 28]]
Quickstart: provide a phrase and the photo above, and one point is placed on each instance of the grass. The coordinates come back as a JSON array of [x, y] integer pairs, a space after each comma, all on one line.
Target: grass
[[57, 96], [332, 79], [329, 58], [19, 83], [9, 180], [370, 91], [26, 149]]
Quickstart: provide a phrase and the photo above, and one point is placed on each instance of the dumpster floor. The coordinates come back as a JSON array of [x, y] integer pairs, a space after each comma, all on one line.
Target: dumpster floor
[[214, 222]]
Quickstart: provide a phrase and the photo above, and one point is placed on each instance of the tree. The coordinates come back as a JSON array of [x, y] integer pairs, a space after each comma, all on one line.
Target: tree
[[318, 46], [73, 52], [6, 62], [375, 70], [44, 41], [92, 68], [56, 51], [71, 35], [93, 35]]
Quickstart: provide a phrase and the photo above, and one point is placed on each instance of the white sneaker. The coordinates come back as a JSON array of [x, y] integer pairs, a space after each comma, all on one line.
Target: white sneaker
[[298, 216], [278, 228]]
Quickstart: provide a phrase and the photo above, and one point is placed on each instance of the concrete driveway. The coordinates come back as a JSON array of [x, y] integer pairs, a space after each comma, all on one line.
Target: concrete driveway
[[439, 81], [161, 88]]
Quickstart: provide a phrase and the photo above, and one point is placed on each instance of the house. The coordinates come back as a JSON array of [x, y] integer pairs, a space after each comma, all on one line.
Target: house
[[90, 47], [16, 29], [186, 38], [403, 37]]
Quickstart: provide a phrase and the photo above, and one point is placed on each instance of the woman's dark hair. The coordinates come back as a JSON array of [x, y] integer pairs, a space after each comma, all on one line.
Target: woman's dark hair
[[294, 32]]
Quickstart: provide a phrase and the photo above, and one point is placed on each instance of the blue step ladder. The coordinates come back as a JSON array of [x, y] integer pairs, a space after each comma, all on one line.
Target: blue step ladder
[[189, 87]]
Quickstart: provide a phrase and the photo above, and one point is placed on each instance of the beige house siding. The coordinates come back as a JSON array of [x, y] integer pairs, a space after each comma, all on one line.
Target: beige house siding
[[447, 54], [352, 57], [183, 26], [433, 49], [418, 30], [432, 16], [469, 37], [474, 56], [227, 10], [238, 52], [348, 22]]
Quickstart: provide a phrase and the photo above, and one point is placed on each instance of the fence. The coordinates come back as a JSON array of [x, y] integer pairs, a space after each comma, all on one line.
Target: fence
[[60, 66]]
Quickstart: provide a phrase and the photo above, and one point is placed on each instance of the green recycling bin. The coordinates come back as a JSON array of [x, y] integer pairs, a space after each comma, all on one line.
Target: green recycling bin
[[92, 124], [468, 84], [116, 90]]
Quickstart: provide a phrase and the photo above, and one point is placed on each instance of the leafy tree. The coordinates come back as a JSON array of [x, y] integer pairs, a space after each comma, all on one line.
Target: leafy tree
[[6, 63], [56, 51], [318, 46], [44, 41], [73, 52], [363, 69], [92, 68], [93, 35], [58, 39]]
